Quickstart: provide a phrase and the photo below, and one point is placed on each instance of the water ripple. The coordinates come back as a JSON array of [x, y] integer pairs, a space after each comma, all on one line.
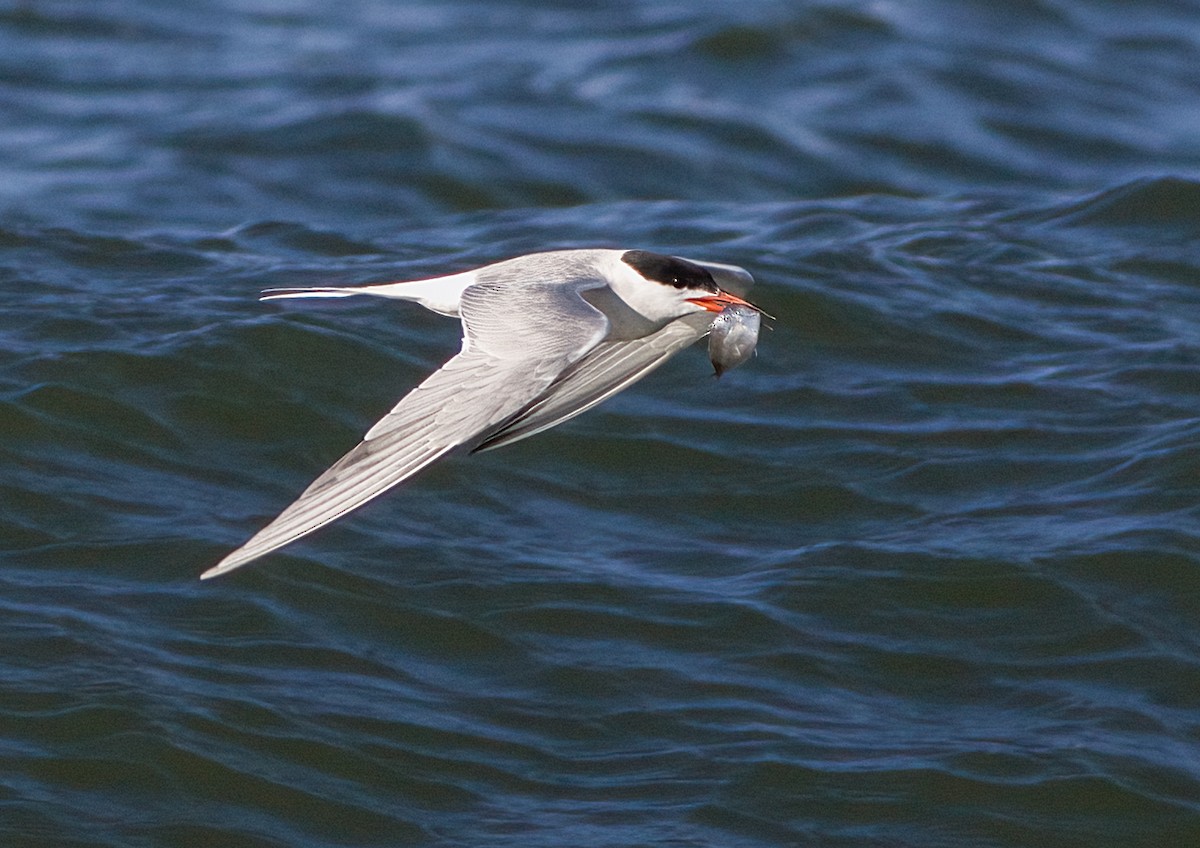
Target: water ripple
[[921, 574]]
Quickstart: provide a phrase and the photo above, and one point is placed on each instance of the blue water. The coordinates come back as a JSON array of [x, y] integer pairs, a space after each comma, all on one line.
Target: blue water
[[926, 572]]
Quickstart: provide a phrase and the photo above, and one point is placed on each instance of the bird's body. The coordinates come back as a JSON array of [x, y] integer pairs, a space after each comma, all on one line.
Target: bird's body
[[545, 337]]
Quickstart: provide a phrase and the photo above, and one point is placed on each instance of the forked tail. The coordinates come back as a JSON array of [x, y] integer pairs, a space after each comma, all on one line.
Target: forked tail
[[322, 291]]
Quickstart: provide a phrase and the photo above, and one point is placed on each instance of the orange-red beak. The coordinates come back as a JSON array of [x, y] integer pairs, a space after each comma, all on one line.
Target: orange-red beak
[[717, 302]]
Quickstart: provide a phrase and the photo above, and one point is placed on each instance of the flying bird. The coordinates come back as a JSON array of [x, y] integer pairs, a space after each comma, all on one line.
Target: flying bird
[[546, 337]]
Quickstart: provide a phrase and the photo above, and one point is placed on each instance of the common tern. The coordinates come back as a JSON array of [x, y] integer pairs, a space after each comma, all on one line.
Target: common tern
[[545, 337]]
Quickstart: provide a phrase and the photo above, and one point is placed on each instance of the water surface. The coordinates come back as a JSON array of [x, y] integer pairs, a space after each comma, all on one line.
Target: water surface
[[923, 573]]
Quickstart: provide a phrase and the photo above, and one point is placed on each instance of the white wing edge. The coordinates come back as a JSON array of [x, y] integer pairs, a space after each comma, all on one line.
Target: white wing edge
[[610, 368]]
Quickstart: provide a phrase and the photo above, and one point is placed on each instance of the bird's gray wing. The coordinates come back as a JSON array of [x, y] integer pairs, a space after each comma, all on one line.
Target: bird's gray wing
[[610, 367], [518, 338]]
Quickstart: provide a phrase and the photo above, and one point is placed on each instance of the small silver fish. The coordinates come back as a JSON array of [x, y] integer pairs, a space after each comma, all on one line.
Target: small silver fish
[[732, 337]]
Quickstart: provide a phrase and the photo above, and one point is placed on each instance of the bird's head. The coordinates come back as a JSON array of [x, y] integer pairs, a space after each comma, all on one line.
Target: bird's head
[[671, 287]]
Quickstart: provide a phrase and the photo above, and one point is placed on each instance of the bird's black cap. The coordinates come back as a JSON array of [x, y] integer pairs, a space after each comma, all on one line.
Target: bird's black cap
[[670, 270]]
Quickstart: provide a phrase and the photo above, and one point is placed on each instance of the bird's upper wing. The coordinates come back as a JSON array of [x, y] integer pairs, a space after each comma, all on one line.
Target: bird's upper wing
[[609, 368], [518, 338]]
